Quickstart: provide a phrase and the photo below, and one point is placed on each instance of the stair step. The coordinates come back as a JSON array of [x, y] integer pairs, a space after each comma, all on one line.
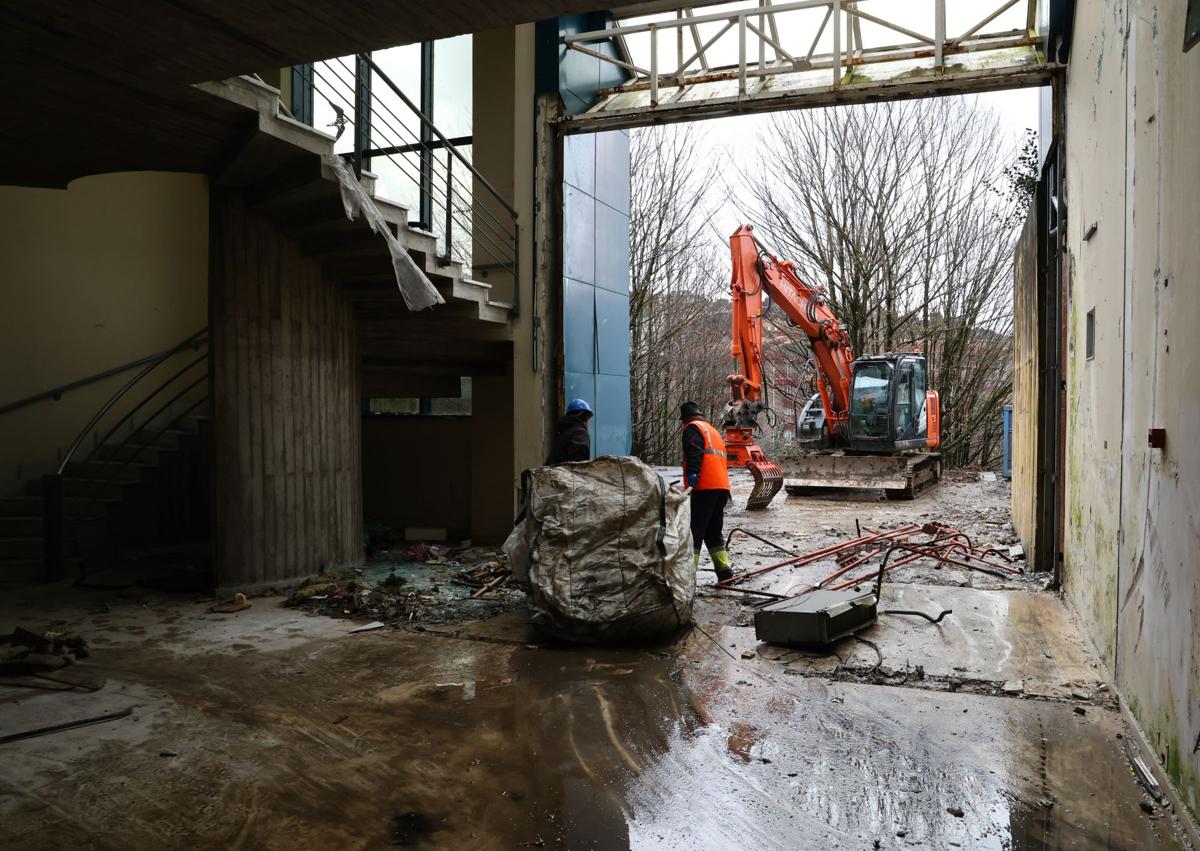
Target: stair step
[[11, 548], [26, 570], [31, 506], [21, 525], [96, 468], [83, 488], [129, 451]]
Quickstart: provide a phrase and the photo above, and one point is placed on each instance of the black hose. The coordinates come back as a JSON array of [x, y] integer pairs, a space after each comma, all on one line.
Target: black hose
[[915, 613]]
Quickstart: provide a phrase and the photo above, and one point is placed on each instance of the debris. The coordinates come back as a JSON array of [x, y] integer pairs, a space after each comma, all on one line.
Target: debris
[[955, 811], [1079, 710], [748, 654], [1013, 687], [1045, 803], [1144, 776], [229, 607], [1146, 804], [1016, 551], [367, 627], [340, 719], [33, 652], [167, 753], [68, 725]]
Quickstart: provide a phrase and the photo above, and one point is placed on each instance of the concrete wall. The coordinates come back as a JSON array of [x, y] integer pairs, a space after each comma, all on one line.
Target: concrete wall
[[406, 484], [1133, 170], [509, 413], [111, 269], [285, 407]]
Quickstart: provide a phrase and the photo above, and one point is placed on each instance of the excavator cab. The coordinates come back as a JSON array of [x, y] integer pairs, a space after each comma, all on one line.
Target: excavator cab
[[891, 406]]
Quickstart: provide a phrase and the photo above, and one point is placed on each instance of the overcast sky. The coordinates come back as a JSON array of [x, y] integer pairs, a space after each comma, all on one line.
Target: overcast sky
[[733, 139]]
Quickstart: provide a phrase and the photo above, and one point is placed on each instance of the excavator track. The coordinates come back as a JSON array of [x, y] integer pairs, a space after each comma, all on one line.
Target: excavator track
[[923, 473], [768, 479]]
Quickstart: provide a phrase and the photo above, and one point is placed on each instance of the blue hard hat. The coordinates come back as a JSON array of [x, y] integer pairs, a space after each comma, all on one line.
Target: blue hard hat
[[578, 405]]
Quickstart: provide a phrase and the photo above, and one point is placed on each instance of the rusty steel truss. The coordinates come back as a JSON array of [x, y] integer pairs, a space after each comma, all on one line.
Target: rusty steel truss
[[705, 59]]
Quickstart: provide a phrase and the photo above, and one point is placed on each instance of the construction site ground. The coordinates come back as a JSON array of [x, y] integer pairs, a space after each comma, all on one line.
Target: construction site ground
[[275, 727]]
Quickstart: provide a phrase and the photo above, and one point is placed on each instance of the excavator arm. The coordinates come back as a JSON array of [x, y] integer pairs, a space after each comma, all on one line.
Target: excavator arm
[[756, 271]]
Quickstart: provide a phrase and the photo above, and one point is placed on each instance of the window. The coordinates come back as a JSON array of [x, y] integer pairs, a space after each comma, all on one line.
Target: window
[[869, 401], [904, 400], [1091, 333], [457, 406]]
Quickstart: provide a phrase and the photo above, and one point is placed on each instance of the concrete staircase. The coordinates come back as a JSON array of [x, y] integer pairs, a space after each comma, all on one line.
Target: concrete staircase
[[279, 166]]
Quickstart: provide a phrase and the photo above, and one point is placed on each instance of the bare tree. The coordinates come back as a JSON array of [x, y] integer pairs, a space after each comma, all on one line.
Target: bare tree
[[894, 209], [679, 330]]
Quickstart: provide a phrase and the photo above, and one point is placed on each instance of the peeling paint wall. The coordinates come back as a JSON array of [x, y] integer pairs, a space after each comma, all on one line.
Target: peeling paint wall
[[1132, 527]]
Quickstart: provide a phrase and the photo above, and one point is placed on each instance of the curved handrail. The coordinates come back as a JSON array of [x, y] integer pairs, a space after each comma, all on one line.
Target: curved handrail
[[57, 393], [194, 340]]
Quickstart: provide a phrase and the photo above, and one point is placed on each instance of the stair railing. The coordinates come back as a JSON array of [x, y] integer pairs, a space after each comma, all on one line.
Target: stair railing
[[488, 236], [178, 385]]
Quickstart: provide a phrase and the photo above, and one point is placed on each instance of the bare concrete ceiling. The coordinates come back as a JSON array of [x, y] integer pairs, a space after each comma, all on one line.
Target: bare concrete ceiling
[[103, 85]]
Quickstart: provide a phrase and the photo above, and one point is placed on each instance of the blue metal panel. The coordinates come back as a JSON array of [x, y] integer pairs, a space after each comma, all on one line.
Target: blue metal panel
[[612, 169], [612, 333], [612, 249], [579, 235], [612, 430], [579, 162], [579, 326]]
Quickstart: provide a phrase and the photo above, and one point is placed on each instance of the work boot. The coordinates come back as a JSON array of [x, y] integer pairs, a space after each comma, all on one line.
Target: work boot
[[723, 567]]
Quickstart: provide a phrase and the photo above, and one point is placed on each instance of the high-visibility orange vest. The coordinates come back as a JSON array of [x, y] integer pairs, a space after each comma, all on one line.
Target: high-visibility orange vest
[[714, 474]]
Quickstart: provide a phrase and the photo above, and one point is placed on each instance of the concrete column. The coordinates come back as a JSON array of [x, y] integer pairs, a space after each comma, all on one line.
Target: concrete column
[[504, 151]]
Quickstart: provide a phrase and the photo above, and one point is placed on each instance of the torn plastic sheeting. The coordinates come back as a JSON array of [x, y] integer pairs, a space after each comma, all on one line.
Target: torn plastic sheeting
[[416, 288]]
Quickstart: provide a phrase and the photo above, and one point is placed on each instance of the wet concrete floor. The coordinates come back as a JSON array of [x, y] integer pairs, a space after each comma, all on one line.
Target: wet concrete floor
[[275, 730]]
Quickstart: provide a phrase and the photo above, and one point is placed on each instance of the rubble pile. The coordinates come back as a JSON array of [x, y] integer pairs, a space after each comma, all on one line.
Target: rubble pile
[[432, 584], [26, 652]]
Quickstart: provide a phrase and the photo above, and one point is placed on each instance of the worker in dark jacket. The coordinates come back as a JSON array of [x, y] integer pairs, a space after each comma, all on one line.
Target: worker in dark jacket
[[704, 471], [571, 441]]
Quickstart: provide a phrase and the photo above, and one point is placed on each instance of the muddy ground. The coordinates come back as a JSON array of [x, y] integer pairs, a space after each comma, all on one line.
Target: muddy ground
[[277, 727]]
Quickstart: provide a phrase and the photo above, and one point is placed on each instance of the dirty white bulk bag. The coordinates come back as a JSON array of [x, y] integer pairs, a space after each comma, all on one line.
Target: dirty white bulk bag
[[607, 548]]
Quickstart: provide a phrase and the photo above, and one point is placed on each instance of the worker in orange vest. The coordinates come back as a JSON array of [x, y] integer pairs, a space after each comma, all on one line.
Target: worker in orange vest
[[705, 473]]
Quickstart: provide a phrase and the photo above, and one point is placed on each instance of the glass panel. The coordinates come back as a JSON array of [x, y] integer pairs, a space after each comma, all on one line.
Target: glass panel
[[920, 388], [904, 400], [460, 407], [394, 406], [333, 84], [869, 401], [452, 92]]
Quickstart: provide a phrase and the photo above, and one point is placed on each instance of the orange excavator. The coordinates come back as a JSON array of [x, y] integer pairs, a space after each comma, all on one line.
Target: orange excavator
[[873, 423]]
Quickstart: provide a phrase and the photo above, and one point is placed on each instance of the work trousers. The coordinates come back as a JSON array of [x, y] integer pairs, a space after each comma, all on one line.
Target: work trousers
[[708, 519]]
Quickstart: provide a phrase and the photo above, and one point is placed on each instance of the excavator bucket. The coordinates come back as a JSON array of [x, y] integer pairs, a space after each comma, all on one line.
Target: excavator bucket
[[768, 480], [899, 476]]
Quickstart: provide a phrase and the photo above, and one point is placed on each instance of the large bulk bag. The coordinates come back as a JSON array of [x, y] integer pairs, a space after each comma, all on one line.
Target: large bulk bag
[[606, 547]]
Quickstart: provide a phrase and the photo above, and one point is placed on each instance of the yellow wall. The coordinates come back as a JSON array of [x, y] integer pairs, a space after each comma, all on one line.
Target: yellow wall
[[504, 152], [111, 269]]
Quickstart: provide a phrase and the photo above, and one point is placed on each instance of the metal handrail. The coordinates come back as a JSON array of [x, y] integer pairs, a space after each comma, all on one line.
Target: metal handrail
[[194, 340], [375, 69], [57, 393], [493, 233]]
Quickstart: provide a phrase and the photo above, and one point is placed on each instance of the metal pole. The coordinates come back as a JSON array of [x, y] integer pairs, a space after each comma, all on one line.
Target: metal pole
[[449, 218], [53, 526], [362, 114], [939, 33], [425, 207], [653, 65], [837, 42], [742, 55]]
